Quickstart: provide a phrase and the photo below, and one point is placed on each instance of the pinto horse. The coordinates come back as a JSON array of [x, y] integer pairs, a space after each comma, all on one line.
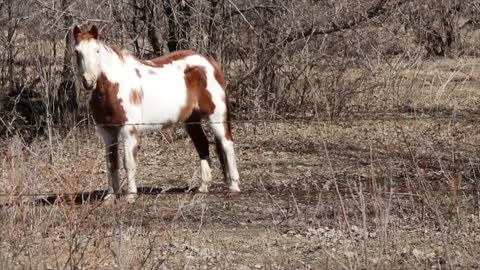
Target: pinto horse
[[130, 95]]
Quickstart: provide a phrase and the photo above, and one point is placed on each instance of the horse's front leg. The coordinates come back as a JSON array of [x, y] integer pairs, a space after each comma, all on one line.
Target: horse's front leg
[[131, 140], [111, 143]]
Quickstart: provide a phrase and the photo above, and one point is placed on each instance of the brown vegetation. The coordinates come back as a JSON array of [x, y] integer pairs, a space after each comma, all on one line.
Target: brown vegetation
[[367, 156], [280, 59]]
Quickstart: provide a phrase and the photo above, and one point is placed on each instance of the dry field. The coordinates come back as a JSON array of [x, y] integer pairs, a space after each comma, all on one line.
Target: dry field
[[396, 191]]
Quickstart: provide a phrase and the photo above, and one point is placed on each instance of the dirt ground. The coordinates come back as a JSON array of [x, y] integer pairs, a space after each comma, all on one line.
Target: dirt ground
[[355, 194], [394, 191]]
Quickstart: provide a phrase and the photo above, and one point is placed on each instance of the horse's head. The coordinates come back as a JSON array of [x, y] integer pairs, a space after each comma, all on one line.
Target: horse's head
[[87, 50]]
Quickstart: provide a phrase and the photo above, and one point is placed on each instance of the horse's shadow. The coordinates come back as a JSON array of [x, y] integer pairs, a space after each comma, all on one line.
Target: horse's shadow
[[99, 195]]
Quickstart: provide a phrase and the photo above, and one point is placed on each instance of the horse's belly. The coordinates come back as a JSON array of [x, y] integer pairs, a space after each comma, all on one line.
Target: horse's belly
[[162, 106]]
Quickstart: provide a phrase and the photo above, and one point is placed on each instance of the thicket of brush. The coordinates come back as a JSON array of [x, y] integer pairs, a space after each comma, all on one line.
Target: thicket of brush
[[281, 58]]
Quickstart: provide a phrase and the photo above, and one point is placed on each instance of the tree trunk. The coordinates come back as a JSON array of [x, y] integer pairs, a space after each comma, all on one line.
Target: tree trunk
[[134, 34], [65, 99], [178, 14], [67, 72], [12, 27], [269, 37], [151, 24], [211, 22]]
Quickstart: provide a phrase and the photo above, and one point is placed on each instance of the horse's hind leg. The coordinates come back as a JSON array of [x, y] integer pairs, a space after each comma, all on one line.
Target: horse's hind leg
[[223, 137], [223, 160], [196, 133]]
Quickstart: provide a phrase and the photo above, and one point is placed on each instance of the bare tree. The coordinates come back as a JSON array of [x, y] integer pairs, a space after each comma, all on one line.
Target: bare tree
[[436, 26], [178, 14], [65, 98], [150, 20], [279, 57], [12, 27]]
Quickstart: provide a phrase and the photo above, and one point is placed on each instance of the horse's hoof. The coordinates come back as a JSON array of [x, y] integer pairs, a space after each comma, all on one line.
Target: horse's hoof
[[234, 187], [109, 199], [203, 188], [131, 198]]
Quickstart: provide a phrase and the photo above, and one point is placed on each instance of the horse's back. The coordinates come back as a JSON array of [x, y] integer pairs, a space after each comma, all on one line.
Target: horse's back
[[172, 57], [176, 84]]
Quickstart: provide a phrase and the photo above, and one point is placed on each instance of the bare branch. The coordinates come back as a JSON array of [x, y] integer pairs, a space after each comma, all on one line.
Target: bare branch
[[375, 11]]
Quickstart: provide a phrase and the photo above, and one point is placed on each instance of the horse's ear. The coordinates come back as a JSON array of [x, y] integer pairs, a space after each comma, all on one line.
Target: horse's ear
[[76, 31], [94, 32]]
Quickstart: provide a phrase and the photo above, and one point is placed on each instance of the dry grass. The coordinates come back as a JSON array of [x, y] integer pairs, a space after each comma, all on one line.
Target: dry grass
[[361, 193]]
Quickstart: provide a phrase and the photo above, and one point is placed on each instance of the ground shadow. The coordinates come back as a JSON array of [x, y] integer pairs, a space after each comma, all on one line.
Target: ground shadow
[[99, 195]]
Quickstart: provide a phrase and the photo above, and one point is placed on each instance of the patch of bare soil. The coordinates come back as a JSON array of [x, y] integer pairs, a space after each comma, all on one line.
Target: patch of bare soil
[[395, 194]]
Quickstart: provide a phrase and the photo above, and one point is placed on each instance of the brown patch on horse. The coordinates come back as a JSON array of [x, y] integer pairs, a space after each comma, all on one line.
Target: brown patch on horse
[[167, 125], [106, 107], [84, 36], [152, 72], [136, 96], [197, 94], [138, 73], [167, 58], [205, 103], [227, 125], [135, 133]]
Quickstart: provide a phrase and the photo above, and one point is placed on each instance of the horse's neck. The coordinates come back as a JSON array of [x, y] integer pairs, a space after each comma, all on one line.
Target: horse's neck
[[110, 63]]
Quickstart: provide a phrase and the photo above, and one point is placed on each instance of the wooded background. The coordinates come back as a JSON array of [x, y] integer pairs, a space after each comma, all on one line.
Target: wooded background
[[305, 58]]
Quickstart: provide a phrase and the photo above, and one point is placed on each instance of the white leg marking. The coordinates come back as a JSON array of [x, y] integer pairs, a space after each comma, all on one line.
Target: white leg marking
[[227, 147], [130, 166], [232, 165], [206, 175]]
